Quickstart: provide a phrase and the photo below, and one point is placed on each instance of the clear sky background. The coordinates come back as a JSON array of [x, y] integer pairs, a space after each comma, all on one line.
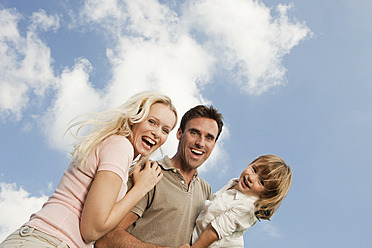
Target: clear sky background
[[292, 78]]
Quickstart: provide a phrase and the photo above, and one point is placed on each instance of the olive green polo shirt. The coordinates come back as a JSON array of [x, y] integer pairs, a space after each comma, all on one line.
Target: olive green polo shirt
[[168, 212]]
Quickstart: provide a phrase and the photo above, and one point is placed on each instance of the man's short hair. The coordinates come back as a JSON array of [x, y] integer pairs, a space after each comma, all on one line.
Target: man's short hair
[[205, 112]]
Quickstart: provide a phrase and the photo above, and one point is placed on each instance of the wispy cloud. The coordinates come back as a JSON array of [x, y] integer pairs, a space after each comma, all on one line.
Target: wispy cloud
[[16, 207], [269, 229], [25, 65], [247, 39]]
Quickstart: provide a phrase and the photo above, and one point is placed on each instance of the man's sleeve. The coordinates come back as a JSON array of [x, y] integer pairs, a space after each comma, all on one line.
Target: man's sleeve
[[144, 203]]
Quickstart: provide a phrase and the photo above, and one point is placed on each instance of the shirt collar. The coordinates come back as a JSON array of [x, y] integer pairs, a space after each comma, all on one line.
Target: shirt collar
[[237, 193], [166, 164]]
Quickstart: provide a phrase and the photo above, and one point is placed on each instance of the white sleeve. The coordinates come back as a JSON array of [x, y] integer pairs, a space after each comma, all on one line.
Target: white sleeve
[[238, 218]]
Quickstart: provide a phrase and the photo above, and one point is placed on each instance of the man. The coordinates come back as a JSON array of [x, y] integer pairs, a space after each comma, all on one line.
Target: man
[[166, 216]]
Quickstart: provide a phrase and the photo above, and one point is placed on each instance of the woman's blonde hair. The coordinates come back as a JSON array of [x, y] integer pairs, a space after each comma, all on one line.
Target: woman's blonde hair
[[277, 176], [117, 121]]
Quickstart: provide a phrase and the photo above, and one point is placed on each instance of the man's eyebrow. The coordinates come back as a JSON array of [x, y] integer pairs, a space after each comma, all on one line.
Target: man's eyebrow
[[194, 130], [211, 136]]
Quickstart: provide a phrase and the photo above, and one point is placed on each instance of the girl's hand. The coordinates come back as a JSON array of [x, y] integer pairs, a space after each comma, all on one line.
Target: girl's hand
[[148, 177]]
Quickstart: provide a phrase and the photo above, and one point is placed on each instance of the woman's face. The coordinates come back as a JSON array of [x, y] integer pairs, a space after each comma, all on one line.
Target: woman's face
[[151, 133]]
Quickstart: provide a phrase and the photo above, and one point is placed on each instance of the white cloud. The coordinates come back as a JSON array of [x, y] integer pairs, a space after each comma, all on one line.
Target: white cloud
[[41, 21], [74, 96], [25, 65], [16, 207], [101, 11], [247, 40]]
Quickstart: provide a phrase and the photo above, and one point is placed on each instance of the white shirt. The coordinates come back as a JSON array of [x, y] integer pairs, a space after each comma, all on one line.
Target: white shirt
[[230, 213]]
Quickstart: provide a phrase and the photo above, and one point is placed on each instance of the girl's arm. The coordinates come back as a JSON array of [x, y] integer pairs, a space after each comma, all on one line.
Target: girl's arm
[[208, 236], [101, 213]]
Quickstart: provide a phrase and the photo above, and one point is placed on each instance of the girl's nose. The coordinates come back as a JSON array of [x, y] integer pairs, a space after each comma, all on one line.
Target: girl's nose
[[250, 178], [253, 177]]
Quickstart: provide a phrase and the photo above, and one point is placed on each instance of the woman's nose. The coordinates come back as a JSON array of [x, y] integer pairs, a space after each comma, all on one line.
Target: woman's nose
[[156, 132]]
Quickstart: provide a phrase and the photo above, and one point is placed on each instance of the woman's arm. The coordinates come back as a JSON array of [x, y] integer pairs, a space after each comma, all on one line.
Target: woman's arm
[[208, 236], [100, 213]]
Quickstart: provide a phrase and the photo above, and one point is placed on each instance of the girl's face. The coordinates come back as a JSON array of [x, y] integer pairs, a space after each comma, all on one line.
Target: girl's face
[[250, 182], [151, 133]]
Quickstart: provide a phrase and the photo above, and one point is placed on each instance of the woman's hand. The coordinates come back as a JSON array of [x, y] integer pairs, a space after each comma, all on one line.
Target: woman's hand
[[148, 177]]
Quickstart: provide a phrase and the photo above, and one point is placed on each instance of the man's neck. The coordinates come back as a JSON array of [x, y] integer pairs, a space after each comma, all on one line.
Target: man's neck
[[185, 170]]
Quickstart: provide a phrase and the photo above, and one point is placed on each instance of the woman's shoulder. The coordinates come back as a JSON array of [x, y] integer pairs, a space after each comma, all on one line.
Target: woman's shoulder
[[115, 138], [118, 141]]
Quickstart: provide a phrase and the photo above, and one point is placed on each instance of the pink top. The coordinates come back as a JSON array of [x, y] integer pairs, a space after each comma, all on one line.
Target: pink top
[[60, 215]]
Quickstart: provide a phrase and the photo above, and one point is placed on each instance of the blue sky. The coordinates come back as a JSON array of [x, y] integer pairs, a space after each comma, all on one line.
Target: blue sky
[[292, 78]]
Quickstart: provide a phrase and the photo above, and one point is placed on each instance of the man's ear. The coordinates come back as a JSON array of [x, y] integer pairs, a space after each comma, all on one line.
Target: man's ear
[[179, 133]]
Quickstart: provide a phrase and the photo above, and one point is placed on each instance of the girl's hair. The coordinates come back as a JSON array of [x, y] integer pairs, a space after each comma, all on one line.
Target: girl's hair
[[117, 121], [277, 176]]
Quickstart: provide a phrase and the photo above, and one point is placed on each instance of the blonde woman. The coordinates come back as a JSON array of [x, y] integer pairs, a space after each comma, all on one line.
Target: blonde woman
[[91, 198], [257, 194]]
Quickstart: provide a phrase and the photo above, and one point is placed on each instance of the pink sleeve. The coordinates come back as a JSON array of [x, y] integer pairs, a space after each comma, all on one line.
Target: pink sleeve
[[115, 154]]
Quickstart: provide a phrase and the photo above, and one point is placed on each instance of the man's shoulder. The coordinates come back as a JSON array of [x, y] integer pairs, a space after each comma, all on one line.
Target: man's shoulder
[[205, 186], [165, 163], [203, 182]]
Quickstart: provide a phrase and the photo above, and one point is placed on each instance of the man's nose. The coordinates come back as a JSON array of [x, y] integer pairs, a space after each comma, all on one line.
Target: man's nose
[[200, 142]]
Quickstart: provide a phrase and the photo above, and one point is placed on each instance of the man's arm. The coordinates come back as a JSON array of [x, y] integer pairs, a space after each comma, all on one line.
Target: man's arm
[[208, 236], [120, 238]]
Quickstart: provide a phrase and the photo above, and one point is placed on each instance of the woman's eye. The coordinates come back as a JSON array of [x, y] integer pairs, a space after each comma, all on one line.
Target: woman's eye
[[151, 121], [262, 182], [254, 169]]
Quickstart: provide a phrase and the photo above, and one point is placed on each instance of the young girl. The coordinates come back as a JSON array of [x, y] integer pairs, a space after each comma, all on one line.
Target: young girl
[[256, 195], [91, 197]]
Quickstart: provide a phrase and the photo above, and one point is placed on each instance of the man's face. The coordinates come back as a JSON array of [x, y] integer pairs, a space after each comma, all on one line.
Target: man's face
[[197, 141]]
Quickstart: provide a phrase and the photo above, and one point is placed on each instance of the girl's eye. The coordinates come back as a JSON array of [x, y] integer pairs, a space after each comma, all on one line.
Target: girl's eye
[[262, 182], [254, 169], [151, 121]]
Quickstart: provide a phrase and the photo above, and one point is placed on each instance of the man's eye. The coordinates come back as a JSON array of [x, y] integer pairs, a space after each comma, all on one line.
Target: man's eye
[[166, 131]]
